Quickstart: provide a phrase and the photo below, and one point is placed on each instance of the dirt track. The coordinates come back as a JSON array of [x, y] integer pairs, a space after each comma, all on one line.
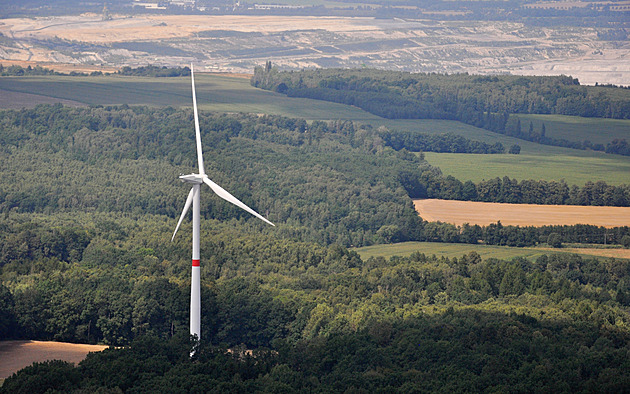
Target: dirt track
[[15, 355], [483, 213]]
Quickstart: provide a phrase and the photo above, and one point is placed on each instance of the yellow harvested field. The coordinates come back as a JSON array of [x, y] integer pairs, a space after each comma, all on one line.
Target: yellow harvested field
[[484, 213], [15, 355]]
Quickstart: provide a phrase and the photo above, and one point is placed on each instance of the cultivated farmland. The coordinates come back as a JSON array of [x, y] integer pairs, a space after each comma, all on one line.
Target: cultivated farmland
[[221, 93], [578, 129], [16, 355], [576, 167], [215, 92], [483, 213]]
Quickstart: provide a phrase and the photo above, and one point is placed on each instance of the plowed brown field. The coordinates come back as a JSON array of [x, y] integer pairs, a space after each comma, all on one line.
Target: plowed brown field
[[15, 355], [483, 213]]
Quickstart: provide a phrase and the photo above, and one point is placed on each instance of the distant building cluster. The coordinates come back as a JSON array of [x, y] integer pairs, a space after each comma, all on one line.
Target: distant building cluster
[[149, 5], [162, 5], [192, 4], [567, 5], [275, 6]]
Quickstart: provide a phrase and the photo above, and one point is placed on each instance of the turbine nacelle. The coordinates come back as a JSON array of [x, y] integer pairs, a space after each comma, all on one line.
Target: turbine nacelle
[[201, 177], [192, 178]]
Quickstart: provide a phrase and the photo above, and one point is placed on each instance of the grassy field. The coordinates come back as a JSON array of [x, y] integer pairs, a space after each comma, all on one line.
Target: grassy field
[[214, 93], [434, 126], [575, 128], [457, 250], [217, 92], [575, 167]]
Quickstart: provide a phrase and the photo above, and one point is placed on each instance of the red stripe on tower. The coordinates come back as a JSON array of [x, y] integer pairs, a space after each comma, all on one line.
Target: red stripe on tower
[[195, 263]]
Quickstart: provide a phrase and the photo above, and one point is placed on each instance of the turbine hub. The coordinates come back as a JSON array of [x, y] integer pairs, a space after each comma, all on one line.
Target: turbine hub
[[192, 178]]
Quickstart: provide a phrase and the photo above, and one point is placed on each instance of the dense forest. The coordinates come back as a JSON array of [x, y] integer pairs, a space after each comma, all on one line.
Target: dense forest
[[318, 318], [490, 102], [336, 183], [155, 71], [88, 201], [452, 143], [394, 94]]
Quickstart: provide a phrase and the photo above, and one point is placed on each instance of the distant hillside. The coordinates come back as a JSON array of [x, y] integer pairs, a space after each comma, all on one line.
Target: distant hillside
[[490, 102]]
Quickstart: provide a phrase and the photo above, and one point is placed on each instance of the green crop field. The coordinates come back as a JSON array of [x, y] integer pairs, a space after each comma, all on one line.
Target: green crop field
[[575, 167], [575, 128], [451, 250], [214, 93], [101, 90]]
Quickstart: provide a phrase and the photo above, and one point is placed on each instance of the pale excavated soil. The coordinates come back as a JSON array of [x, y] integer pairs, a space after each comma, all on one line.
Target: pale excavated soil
[[153, 27], [483, 213], [15, 355], [240, 42]]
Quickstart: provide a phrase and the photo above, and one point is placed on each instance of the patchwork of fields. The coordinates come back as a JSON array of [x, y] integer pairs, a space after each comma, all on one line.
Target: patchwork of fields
[[221, 93]]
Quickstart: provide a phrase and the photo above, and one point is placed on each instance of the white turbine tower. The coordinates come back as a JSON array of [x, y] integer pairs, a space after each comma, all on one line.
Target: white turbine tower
[[193, 198]]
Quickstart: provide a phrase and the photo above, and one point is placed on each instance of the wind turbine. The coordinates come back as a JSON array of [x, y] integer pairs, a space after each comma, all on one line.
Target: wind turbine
[[193, 198]]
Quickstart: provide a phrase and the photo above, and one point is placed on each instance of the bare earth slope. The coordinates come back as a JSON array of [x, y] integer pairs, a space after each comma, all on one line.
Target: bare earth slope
[[483, 213], [238, 43], [15, 355]]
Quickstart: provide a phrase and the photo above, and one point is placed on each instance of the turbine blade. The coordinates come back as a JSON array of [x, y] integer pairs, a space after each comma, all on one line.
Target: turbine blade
[[221, 192], [197, 132], [184, 212]]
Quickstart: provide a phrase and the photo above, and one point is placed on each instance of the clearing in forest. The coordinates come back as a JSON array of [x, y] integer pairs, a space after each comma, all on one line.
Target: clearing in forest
[[449, 250], [484, 213]]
